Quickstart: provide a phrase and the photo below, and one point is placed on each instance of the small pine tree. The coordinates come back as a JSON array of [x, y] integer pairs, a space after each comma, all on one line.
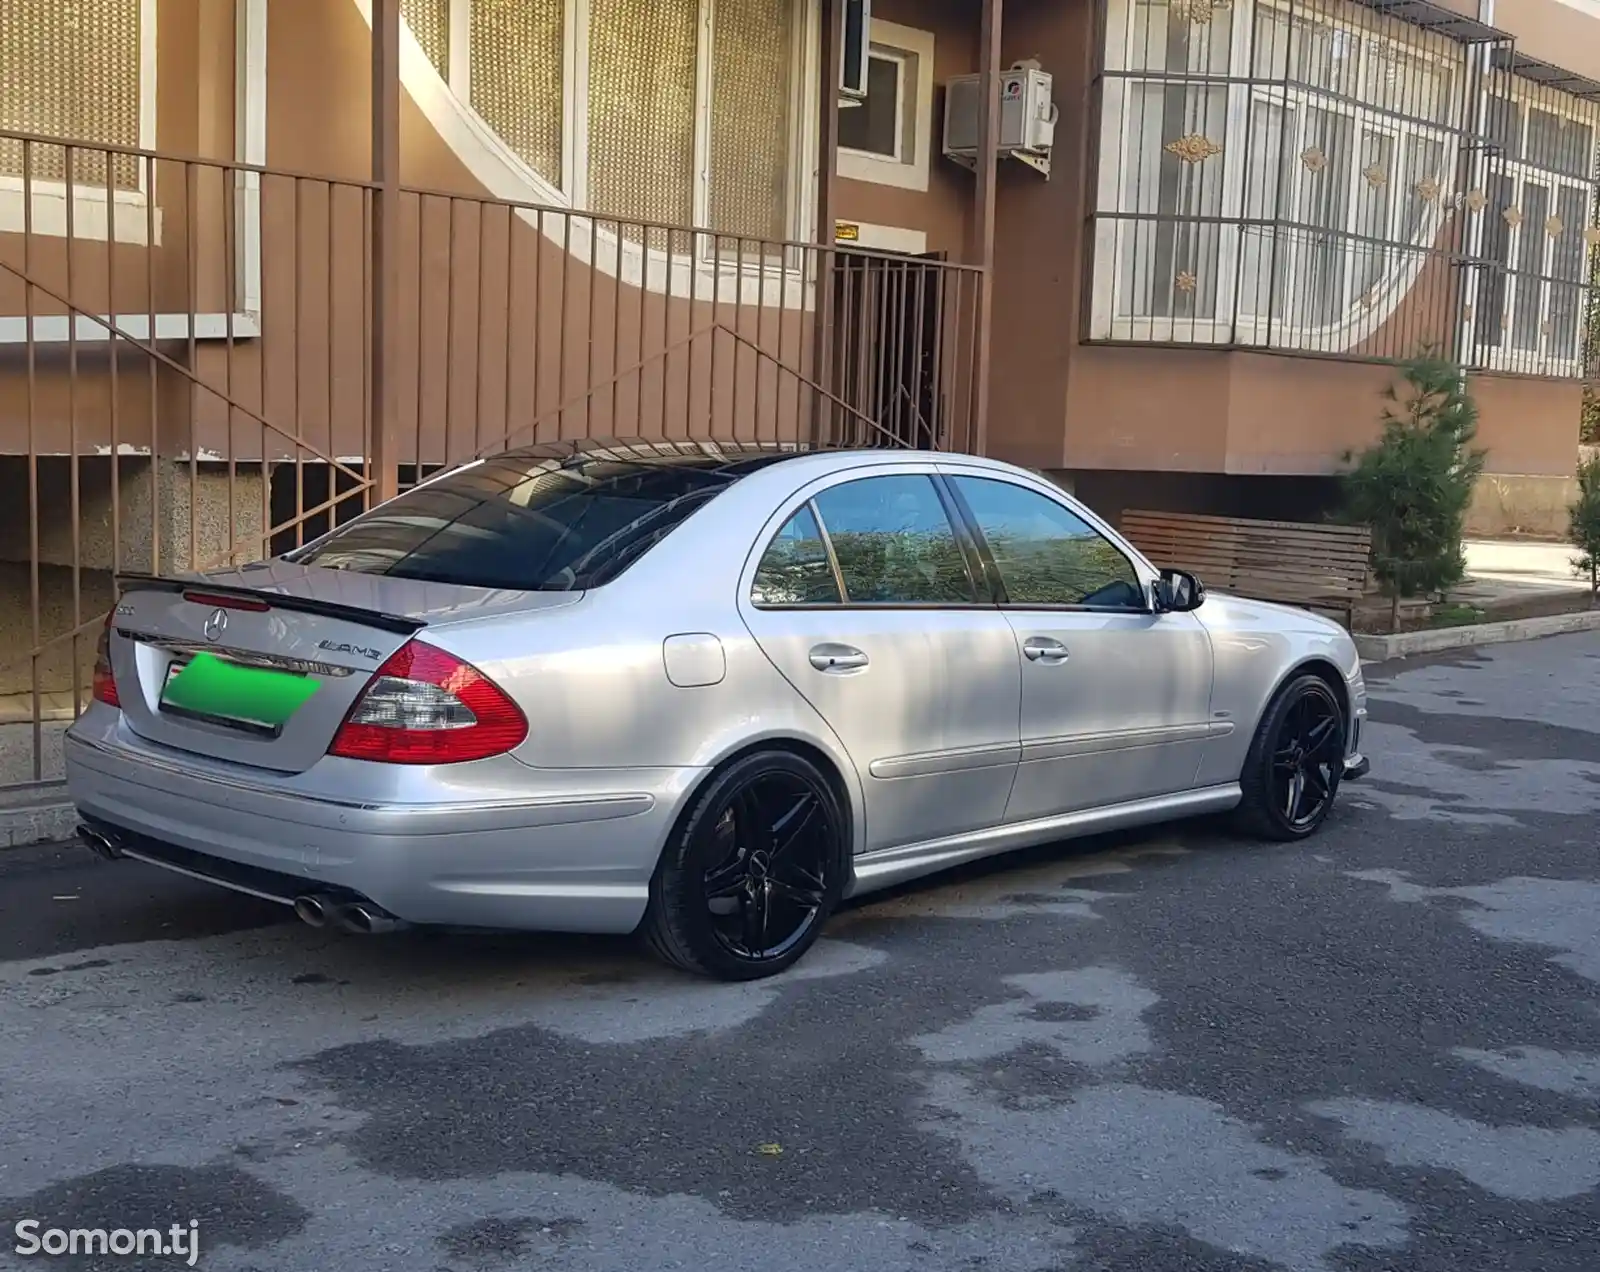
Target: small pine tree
[[1414, 485], [1583, 524]]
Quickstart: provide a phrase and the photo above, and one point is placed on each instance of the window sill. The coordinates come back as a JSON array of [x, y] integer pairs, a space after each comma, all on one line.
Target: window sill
[[862, 165], [55, 329], [91, 220]]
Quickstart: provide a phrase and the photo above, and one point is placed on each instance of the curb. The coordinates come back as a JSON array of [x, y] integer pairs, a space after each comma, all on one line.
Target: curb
[[1407, 644]]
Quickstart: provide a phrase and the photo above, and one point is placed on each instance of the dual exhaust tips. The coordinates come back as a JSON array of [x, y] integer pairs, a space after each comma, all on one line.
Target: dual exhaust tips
[[314, 909], [322, 910]]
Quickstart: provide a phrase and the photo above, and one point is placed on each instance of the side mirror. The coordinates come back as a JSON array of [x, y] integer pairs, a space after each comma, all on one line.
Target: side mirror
[[1179, 592]]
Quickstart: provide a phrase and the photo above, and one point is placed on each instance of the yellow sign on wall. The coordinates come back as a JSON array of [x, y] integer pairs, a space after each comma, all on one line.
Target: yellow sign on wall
[[846, 232]]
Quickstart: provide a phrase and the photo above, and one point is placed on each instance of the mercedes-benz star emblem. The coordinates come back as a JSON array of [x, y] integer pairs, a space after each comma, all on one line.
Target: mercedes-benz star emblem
[[216, 624]]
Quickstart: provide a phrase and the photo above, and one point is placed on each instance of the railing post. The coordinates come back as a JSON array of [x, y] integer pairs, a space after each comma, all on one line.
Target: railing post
[[988, 146], [383, 366], [827, 151]]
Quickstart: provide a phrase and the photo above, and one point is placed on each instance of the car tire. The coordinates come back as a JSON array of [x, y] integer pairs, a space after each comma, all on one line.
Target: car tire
[[1302, 732], [752, 872]]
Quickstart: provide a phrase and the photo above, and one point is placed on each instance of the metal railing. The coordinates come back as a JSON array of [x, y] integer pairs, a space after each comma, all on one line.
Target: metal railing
[[186, 345]]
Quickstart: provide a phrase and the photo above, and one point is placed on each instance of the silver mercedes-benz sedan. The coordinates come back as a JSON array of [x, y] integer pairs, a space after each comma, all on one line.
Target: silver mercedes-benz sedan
[[701, 693]]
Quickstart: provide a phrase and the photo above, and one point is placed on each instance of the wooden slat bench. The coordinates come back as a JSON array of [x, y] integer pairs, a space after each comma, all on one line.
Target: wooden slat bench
[[1316, 566]]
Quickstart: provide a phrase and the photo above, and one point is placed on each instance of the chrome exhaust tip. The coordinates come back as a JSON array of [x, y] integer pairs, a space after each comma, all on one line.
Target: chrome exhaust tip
[[366, 920], [311, 910], [100, 844]]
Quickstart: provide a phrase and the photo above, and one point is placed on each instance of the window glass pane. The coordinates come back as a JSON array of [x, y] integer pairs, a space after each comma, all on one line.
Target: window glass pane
[[1319, 279], [642, 63], [1504, 126], [530, 524], [1560, 144], [794, 569], [429, 21], [1160, 40], [1325, 57], [1263, 271], [1157, 180], [1531, 240], [1490, 318], [517, 62], [1374, 196], [894, 542], [1406, 83], [875, 125], [1424, 163], [752, 55], [71, 70], [1046, 554], [1567, 265]]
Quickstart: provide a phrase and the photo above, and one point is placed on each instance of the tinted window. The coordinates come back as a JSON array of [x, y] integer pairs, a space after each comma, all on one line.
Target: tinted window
[[528, 522], [1045, 553], [894, 543], [795, 569]]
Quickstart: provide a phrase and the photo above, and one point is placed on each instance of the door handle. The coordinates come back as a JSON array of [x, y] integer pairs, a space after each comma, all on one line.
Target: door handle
[[837, 658], [1044, 649]]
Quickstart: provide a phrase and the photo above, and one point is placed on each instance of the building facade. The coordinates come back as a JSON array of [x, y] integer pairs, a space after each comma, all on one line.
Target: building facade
[[288, 261], [1252, 207]]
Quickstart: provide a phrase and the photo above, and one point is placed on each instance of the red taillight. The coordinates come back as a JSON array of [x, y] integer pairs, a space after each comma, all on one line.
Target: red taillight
[[226, 602], [424, 706], [105, 681]]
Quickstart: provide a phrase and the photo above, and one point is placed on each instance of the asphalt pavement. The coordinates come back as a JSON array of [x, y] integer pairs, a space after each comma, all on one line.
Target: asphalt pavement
[[1174, 1052]]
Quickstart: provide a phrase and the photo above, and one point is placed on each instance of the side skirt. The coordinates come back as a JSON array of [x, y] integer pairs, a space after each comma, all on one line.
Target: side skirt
[[889, 866]]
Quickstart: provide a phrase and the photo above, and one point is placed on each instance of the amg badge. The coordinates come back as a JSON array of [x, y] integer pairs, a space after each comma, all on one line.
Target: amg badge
[[344, 647]]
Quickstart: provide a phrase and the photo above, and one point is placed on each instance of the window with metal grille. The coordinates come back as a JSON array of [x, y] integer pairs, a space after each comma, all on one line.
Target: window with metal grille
[[72, 69], [1541, 228], [1273, 174]]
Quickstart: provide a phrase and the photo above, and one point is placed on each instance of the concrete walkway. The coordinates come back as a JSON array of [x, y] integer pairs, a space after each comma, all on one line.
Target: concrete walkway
[[1524, 563]]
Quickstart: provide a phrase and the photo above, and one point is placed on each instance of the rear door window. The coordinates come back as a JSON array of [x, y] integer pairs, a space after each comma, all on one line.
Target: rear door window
[[894, 542], [528, 524]]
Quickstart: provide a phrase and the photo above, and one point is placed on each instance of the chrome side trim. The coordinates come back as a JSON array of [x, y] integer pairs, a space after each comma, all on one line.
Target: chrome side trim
[[1120, 740], [924, 763], [889, 866]]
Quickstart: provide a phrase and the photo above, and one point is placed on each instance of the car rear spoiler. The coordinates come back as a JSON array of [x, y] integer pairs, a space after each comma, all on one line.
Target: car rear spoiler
[[397, 623]]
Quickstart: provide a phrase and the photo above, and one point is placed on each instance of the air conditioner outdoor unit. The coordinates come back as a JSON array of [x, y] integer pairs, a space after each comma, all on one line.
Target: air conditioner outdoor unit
[[856, 18], [1027, 117]]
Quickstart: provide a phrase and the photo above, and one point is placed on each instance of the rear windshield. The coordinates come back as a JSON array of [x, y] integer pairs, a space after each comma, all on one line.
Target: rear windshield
[[528, 522]]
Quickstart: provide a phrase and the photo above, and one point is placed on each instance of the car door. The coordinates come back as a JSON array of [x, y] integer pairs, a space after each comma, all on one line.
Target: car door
[[1116, 698], [871, 603]]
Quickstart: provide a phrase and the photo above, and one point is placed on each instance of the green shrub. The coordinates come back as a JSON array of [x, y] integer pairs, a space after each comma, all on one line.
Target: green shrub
[[1414, 485], [1583, 524]]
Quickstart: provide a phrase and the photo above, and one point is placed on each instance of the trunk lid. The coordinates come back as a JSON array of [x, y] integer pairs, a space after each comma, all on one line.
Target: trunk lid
[[294, 646]]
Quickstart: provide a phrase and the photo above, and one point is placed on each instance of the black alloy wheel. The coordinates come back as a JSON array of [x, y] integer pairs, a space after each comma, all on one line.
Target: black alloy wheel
[[1295, 763], [747, 883]]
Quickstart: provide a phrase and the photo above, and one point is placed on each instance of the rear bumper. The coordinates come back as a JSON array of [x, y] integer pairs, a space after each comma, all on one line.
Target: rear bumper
[[573, 854]]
